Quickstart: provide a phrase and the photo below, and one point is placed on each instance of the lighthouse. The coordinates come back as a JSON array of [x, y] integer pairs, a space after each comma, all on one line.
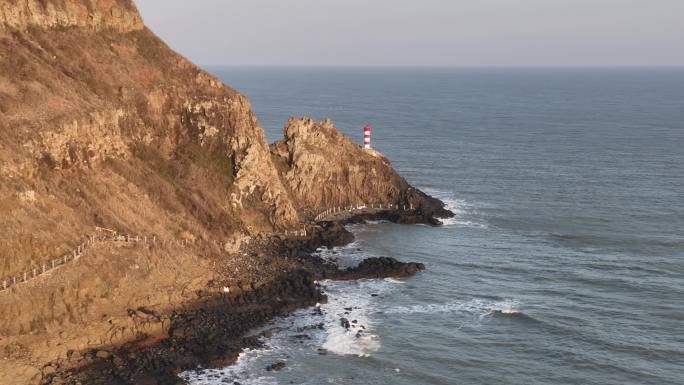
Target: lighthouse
[[367, 137]]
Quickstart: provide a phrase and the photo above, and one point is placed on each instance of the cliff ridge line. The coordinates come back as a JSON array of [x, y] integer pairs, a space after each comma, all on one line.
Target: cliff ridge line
[[119, 15]]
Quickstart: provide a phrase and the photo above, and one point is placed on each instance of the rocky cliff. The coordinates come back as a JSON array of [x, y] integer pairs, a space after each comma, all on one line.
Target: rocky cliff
[[323, 168], [103, 126], [119, 15]]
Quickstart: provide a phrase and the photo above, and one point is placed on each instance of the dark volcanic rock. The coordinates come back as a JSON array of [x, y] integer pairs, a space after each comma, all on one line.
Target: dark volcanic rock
[[276, 367], [210, 332], [381, 267]]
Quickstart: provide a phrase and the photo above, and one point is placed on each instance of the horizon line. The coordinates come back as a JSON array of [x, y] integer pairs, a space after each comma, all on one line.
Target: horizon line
[[451, 66], [419, 66]]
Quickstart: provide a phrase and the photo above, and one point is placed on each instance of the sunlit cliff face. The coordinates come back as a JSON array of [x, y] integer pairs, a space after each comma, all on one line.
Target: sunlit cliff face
[[118, 15]]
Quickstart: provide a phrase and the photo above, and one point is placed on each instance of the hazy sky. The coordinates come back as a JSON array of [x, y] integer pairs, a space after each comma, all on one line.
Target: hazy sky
[[422, 32]]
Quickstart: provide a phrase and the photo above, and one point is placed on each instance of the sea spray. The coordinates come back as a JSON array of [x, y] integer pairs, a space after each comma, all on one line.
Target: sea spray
[[465, 213]]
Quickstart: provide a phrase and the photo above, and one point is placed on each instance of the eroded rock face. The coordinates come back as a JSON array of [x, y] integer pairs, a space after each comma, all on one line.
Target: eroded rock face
[[111, 128], [119, 15], [324, 168], [101, 124]]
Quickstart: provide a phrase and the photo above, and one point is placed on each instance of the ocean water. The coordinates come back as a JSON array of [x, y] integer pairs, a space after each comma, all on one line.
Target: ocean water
[[564, 263]]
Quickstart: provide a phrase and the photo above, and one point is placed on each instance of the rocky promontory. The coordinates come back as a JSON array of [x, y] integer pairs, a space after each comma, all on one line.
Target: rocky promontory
[[323, 168], [106, 132]]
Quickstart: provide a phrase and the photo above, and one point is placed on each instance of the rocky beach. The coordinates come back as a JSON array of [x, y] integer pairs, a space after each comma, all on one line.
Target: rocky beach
[[213, 329]]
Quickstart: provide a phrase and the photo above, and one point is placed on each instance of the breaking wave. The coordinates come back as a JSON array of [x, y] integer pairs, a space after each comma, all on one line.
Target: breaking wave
[[349, 322], [478, 307], [343, 326], [466, 214], [344, 256], [349, 255]]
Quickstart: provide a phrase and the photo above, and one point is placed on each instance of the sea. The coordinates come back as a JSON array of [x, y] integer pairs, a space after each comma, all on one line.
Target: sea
[[564, 263]]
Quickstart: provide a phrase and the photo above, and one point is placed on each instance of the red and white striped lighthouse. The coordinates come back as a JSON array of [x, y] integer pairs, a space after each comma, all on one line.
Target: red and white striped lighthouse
[[367, 137]]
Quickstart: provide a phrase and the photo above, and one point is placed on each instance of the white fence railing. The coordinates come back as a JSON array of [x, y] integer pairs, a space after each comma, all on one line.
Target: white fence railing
[[112, 236], [376, 207], [74, 254], [90, 240]]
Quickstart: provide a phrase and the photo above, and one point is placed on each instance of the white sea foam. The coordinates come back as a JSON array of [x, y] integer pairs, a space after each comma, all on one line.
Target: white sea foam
[[352, 301], [477, 307], [242, 371], [370, 222], [466, 215], [510, 311], [349, 255], [309, 331], [394, 280], [344, 256]]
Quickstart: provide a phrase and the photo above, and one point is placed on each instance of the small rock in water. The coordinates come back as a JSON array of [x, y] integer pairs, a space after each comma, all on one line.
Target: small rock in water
[[275, 367], [344, 323], [302, 336]]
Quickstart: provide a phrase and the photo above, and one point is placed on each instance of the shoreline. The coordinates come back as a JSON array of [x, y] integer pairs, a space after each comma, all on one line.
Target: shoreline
[[211, 332]]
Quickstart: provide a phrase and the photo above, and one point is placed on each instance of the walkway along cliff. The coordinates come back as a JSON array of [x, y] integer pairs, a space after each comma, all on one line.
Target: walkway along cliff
[[102, 125]]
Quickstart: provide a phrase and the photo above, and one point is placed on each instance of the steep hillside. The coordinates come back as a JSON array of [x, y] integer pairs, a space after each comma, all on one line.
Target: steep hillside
[[104, 129], [103, 125]]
